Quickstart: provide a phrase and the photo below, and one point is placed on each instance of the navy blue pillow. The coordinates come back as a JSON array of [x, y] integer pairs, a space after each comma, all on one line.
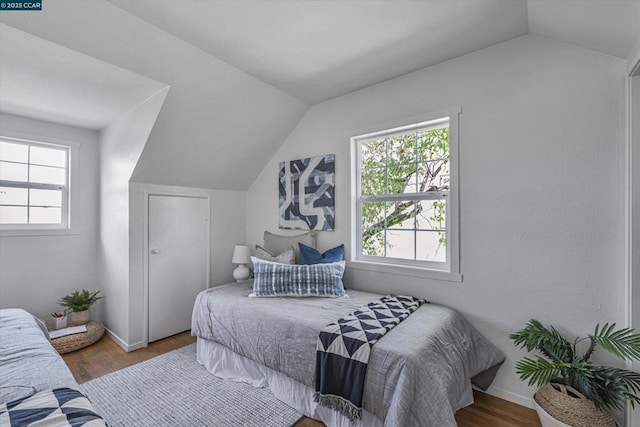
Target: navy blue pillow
[[310, 256]]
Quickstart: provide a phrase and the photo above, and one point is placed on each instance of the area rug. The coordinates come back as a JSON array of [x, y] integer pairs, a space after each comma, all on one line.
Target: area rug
[[174, 390]]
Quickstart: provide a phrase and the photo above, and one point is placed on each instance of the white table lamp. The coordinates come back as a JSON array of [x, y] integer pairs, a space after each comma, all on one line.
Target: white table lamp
[[241, 256]]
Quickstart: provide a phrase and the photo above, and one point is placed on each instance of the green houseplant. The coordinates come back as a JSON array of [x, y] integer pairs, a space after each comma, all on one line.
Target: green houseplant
[[78, 303], [607, 388]]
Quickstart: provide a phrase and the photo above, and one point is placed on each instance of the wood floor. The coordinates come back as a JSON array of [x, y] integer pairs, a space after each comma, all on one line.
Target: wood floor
[[106, 356]]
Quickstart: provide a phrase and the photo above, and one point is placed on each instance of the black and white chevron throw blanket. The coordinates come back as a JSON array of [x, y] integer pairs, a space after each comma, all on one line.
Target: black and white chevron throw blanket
[[343, 349]]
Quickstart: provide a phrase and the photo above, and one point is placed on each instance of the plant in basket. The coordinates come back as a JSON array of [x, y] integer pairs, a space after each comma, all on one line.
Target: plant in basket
[[573, 390], [78, 303]]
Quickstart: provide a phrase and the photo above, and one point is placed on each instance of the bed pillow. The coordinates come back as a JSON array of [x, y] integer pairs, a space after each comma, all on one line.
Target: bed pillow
[[288, 256], [276, 243], [272, 279], [309, 255]]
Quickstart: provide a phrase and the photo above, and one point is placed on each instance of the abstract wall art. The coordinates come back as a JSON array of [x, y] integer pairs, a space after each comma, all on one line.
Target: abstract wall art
[[307, 193]]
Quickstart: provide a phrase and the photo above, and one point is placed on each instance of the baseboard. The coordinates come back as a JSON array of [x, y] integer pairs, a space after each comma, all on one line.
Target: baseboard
[[511, 397], [136, 346], [126, 347]]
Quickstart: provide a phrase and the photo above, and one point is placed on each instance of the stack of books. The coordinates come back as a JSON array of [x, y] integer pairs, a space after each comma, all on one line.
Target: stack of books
[[67, 331]]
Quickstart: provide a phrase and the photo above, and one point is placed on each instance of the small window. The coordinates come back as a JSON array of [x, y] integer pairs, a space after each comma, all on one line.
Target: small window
[[404, 212], [34, 185]]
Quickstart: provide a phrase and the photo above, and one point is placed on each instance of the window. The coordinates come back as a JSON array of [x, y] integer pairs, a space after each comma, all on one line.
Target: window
[[34, 185], [405, 196]]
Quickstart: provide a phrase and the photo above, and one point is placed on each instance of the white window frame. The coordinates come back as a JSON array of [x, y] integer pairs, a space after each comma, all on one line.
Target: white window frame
[[69, 206], [449, 270]]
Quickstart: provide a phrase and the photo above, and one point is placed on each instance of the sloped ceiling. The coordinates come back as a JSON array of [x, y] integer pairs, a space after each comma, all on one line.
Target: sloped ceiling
[[316, 50], [218, 125], [46, 81], [607, 26]]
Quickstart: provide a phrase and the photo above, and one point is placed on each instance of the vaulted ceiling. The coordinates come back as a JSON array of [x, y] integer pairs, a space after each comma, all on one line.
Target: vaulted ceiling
[[316, 50], [243, 73]]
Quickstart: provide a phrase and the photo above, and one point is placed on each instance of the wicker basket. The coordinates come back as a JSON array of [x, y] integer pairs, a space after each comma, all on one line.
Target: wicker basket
[[74, 342], [569, 406]]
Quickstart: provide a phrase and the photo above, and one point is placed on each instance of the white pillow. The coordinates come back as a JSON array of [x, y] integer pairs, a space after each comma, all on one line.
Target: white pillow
[[288, 256], [276, 243]]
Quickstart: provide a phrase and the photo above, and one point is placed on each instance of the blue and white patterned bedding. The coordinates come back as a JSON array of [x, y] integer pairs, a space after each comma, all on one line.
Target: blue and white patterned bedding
[[61, 407], [273, 279]]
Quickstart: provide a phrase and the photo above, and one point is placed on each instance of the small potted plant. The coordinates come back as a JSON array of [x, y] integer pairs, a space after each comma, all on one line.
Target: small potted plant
[[574, 391], [77, 305]]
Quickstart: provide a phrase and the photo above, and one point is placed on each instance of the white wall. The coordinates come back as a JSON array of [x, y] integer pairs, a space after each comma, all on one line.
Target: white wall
[[633, 59], [35, 271], [634, 163], [541, 185], [121, 144], [228, 210], [634, 220]]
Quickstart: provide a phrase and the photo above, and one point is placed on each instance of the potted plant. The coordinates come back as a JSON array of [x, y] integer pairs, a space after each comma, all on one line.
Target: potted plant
[[77, 305], [574, 391]]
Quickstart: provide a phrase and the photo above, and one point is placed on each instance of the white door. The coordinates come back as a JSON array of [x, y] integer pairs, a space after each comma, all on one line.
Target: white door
[[178, 261]]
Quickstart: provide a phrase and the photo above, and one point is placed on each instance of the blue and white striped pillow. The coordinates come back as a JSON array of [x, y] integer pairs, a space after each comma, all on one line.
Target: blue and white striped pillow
[[272, 279]]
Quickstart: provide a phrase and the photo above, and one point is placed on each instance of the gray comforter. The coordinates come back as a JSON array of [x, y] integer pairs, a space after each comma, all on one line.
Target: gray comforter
[[417, 372], [28, 361]]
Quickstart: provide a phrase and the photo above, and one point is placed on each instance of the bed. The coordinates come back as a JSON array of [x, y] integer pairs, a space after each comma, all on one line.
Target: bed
[[419, 373], [35, 383]]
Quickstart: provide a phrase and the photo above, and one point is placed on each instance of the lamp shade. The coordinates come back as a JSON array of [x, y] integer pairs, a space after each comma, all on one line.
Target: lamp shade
[[241, 254]]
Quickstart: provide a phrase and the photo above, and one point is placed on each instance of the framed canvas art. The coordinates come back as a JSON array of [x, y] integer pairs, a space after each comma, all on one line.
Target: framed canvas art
[[307, 193]]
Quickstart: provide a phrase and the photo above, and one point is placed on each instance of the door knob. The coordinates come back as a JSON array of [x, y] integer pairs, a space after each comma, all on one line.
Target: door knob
[[155, 251]]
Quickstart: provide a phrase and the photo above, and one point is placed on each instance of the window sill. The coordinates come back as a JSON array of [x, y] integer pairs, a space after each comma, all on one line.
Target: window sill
[[405, 270], [39, 232]]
